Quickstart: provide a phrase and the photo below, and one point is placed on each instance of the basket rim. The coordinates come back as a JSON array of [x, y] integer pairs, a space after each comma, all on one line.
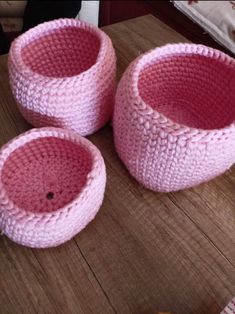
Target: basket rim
[[33, 134], [169, 50], [25, 70]]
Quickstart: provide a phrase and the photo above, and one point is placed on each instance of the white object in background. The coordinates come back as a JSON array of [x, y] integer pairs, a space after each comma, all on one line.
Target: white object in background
[[89, 12]]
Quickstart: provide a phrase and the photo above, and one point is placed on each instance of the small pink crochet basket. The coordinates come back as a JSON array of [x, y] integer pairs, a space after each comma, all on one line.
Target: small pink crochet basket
[[174, 116], [52, 185], [62, 73]]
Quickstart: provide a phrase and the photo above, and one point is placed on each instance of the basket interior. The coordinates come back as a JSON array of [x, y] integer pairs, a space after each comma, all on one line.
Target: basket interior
[[46, 174], [193, 90], [63, 52]]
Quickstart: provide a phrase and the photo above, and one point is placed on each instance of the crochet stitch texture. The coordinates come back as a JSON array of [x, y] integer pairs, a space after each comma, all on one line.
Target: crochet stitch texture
[[174, 116], [230, 308], [62, 73], [52, 185]]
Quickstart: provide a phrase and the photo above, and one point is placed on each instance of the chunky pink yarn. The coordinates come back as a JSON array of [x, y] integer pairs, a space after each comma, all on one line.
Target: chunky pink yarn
[[174, 116], [62, 73], [52, 185], [230, 308]]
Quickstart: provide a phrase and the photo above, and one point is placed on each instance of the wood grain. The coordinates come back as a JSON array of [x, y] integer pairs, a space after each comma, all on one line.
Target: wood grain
[[145, 252]]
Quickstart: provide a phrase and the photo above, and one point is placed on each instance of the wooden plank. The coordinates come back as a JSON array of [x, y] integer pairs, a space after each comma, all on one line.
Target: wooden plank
[[55, 280], [145, 252]]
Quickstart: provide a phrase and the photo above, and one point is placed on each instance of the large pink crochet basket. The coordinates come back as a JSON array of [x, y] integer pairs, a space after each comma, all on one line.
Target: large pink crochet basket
[[52, 184], [174, 116], [62, 73]]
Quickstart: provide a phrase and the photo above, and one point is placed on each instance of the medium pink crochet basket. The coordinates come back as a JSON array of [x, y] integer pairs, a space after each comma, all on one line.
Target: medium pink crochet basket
[[52, 185], [174, 116], [62, 73]]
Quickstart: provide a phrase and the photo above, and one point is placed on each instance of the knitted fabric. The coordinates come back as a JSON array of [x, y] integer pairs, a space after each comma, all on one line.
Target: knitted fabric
[[62, 73], [230, 308], [174, 116], [52, 185]]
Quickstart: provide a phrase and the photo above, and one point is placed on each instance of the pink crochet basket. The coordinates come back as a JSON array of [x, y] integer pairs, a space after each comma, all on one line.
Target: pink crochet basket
[[52, 185], [62, 73], [174, 116]]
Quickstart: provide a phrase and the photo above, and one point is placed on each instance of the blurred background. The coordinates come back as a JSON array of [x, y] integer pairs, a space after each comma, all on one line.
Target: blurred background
[[211, 23]]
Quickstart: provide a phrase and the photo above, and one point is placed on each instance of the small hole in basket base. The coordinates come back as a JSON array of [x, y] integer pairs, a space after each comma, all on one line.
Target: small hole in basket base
[[50, 195]]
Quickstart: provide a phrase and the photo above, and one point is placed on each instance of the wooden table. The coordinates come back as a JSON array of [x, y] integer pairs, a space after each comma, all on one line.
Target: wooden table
[[145, 252]]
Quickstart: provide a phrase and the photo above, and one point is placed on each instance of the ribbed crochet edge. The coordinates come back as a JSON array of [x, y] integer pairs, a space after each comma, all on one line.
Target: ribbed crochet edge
[[45, 28], [168, 50]]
